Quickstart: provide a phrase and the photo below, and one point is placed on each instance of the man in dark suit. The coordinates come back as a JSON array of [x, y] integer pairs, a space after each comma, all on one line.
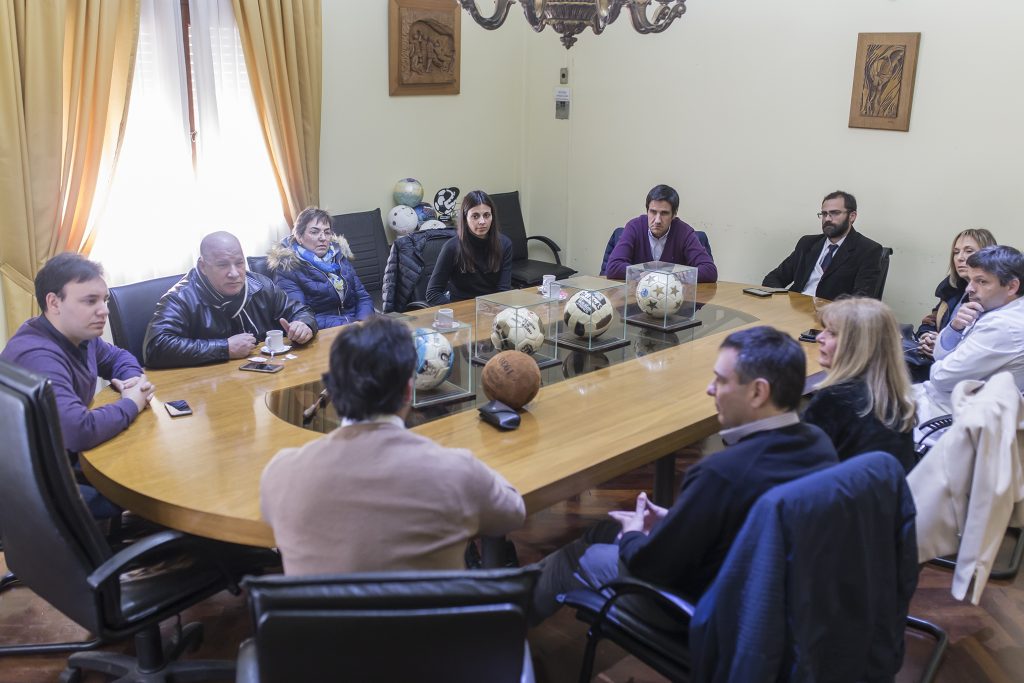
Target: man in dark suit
[[839, 261], [758, 380]]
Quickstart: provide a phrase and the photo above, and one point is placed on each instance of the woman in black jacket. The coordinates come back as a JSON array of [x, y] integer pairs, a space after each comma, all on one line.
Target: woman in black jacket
[[478, 260], [864, 403]]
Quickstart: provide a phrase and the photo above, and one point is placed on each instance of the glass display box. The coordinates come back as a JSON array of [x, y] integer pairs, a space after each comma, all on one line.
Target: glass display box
[[661, 296], [593, 313], [518, 320], [444, 373]]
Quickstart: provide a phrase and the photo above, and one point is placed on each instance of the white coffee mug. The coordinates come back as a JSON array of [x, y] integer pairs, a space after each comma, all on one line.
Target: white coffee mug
[[275, 340], [545, 287]]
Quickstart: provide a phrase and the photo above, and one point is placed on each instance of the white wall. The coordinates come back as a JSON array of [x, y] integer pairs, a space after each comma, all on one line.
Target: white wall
[[742, 105], [369, 139]]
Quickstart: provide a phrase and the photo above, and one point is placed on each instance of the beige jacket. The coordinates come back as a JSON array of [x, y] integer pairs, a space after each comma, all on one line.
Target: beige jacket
[[970, 486], [377, 497]]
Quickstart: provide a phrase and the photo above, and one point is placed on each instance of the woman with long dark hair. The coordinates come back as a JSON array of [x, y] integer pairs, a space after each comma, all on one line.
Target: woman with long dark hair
[[478, 260]]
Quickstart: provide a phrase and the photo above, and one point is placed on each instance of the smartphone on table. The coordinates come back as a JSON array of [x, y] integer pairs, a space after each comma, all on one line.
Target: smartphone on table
[[261, 366], [178, 408]]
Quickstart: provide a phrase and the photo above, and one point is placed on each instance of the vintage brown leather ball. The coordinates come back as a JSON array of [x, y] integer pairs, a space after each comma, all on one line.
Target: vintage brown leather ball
[[511, 377]]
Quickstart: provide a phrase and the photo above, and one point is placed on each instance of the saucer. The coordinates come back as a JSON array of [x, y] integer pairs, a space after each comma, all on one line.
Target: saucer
[[284, 349]]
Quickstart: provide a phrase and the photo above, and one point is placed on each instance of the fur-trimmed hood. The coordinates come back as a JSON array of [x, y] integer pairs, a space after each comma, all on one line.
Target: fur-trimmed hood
[[281, 256]]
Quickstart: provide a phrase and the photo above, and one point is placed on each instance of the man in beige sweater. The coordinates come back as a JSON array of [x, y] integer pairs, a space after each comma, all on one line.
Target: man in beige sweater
[[371, 495]]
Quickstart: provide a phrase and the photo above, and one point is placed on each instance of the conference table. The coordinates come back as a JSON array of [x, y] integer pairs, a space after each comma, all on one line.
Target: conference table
[[200, 473]]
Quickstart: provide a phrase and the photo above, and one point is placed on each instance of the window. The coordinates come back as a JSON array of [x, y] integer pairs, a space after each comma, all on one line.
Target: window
[[193, 159]]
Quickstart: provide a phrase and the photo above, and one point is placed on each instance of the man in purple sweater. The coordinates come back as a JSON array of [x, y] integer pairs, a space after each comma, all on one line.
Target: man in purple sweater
[[660, 236], [64, 345]]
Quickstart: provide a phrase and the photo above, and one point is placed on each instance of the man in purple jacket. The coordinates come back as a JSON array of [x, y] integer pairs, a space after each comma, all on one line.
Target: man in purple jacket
[[64, 345], [660, 236]]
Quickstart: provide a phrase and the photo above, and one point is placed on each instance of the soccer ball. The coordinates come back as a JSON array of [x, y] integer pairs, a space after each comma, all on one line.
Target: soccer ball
[[403, 219], [517, 329], [408, 191], [444, 203], [433, 225], [659, 294], [433, 359], [424, 212], [588, 313]]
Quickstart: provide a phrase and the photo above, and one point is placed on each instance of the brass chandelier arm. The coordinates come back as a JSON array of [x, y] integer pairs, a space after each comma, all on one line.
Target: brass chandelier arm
[[669, 11], [492, 22]]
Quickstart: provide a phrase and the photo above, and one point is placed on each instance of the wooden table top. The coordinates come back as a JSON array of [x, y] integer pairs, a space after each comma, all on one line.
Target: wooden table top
[[201, 473]]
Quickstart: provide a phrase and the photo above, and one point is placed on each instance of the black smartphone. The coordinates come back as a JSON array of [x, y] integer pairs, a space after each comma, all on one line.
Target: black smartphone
[[178, 408], [260, 366], [757, 291], [809, 335]]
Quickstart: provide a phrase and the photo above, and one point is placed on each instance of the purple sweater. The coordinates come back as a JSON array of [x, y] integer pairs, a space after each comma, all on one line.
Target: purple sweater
[[38, 347], [682, 247]]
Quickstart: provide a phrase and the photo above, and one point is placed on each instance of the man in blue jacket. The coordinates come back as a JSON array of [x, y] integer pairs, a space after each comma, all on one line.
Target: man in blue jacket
[[758, 381]]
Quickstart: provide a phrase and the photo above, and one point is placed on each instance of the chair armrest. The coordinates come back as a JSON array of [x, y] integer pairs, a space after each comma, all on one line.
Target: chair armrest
[[116, 564], [926, 429], [631, 586], [551, 245]]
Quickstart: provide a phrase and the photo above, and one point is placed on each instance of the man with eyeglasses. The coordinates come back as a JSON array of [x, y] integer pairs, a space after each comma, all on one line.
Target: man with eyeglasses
[[839, 261]]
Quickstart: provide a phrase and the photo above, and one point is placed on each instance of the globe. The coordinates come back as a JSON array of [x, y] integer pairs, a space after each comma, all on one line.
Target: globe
[[408, 191]]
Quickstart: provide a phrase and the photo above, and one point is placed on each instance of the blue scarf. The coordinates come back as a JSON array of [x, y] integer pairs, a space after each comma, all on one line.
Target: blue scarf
[[328, 265]]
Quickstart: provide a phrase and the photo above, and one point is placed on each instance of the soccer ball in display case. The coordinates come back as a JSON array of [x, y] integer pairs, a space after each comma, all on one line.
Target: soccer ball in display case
[[663, 296], [443, 372], [594, 315], [517, 320]]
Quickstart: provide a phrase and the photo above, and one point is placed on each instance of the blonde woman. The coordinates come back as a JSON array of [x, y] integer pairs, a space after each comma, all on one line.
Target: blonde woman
[[864, 403]]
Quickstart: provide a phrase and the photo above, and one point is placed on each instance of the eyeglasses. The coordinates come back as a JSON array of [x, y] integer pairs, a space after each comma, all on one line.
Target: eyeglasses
[[832, 214]]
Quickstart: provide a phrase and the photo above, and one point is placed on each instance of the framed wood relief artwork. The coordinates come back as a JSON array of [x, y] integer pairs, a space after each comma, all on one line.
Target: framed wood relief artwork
[[423, 41], [883, 80]]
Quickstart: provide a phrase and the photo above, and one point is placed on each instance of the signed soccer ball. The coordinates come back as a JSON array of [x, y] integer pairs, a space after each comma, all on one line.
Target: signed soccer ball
[[659, 294], [403, 219], [588, 314], [433, 359], [517, 329]]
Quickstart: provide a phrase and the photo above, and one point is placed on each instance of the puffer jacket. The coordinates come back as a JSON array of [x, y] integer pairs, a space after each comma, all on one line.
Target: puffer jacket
[[309, 285], [187, 329], [405, 266]]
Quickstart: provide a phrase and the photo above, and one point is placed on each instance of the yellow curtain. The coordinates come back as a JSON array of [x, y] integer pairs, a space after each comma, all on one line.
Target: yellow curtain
[[282, 42], [66, 70]]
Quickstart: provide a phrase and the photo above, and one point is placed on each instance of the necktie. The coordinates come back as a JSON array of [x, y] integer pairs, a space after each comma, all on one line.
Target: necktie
[[827, 260]]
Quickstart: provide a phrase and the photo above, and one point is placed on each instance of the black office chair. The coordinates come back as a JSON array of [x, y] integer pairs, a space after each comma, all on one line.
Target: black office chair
[[258, 264], [57, 550], [365, 234], [749, 625], [525, 271], [132, 307], [702, 237], [448, 626], [883, 271]]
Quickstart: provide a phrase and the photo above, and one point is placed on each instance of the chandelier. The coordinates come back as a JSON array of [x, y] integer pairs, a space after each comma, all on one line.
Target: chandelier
[[571, 17]]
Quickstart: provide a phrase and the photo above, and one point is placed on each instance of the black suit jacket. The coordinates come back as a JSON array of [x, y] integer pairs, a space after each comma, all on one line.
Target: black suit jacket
[[855, 268]]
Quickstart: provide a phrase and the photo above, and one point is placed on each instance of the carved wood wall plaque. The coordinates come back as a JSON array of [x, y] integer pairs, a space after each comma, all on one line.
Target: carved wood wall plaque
[[423, 42]]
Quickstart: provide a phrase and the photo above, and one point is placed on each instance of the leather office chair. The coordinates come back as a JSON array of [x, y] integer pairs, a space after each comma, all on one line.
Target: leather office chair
[[365, 234], [258, 264], [57, 550], [132, 307], [884, 271], [448, 626], [748, 627], [702, 237], [525, 271]]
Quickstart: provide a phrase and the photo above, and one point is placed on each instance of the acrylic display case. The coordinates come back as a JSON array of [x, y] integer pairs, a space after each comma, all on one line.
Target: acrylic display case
[[661, 296], [593, 314], [443, 370], [518, 320]]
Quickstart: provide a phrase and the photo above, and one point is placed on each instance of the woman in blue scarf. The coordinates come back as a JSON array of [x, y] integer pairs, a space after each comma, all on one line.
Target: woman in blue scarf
[[312, 266]]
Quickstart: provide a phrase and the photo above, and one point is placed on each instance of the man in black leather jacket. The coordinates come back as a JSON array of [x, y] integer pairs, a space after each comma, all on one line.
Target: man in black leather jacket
[[219, 311]]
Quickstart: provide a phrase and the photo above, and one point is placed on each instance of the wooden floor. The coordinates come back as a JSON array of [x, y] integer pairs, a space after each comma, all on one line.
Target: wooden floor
[[987, 641]]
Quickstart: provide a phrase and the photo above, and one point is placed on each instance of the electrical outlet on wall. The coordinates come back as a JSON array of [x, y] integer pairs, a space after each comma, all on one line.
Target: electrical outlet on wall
[[563, 76]]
